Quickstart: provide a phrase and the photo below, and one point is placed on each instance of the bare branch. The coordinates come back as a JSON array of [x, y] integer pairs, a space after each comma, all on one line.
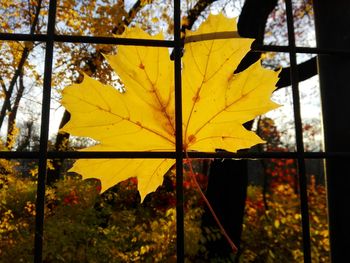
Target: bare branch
[[7, 102], [195, 12]]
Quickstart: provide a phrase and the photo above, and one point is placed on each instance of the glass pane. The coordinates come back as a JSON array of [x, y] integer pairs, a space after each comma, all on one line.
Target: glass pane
[[310, 102], [320, 247], [18, 16], [17, 209], [272, 224], [71, 60], [108, 18], [21, 94], [128, 102], [304, 23], [229, 8], [84, 224], [276, 26], [277, 127]]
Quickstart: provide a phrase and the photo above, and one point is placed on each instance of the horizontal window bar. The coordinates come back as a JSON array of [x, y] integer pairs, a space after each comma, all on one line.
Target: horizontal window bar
[[172, 155], [307, 50], [160, 43], [88, 39], [114, 40], [23, 37]]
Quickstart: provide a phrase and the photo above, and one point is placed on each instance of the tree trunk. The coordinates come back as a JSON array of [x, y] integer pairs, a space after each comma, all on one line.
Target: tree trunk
[[13, 114]]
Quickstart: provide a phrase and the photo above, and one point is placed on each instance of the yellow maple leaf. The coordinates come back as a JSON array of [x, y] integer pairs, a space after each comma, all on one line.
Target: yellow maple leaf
[[216, 103]]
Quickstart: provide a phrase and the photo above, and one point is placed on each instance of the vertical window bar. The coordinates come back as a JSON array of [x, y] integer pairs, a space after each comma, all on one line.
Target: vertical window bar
[[299, 134], [180, 253], [44, 134]]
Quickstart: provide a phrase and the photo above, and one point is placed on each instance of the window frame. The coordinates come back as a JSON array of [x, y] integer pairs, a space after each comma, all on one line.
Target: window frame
[[177, 44]]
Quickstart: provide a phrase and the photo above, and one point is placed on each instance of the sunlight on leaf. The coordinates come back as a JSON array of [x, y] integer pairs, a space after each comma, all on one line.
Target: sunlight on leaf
[[216, 103]]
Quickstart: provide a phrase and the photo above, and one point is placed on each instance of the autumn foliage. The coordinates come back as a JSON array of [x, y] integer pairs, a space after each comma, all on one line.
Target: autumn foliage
[[128, 213], [81, 224]]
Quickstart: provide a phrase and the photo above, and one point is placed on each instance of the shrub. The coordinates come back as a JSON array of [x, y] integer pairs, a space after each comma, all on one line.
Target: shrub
[[83, 226], [275, 235]]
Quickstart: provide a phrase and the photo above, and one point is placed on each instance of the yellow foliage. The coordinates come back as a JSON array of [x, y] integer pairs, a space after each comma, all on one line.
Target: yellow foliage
[[216, 103], [35, 170], [11, 138]]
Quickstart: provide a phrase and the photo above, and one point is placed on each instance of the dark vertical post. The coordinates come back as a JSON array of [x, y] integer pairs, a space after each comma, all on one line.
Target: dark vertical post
[[226, 192], [178, 121], [44, 135], [333, 32]]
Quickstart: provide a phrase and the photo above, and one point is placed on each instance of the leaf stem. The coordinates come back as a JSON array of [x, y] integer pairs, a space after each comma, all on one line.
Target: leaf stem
[[217, 220]]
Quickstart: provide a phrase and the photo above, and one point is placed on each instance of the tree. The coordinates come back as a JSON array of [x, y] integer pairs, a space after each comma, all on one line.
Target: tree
[[15, 60]]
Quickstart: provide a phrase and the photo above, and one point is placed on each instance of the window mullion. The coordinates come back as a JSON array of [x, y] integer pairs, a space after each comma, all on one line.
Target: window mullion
[[44, 134], [179, 140], [304, 206]]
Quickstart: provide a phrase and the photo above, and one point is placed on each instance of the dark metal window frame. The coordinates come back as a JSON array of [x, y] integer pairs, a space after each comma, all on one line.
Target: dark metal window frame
[[43, 155]]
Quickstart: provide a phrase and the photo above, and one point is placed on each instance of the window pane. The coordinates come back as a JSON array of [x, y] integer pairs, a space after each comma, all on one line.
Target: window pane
[[277, 126], [304, 23], [17, 209], [18, 16], [108, 18], [272, 224], [20, 116], [310, 100], [276, 27], [85, 224], [319, 233], [128, 102]]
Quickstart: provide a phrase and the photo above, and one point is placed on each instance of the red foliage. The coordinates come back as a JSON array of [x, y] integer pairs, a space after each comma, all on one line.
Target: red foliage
[[71, 199]]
